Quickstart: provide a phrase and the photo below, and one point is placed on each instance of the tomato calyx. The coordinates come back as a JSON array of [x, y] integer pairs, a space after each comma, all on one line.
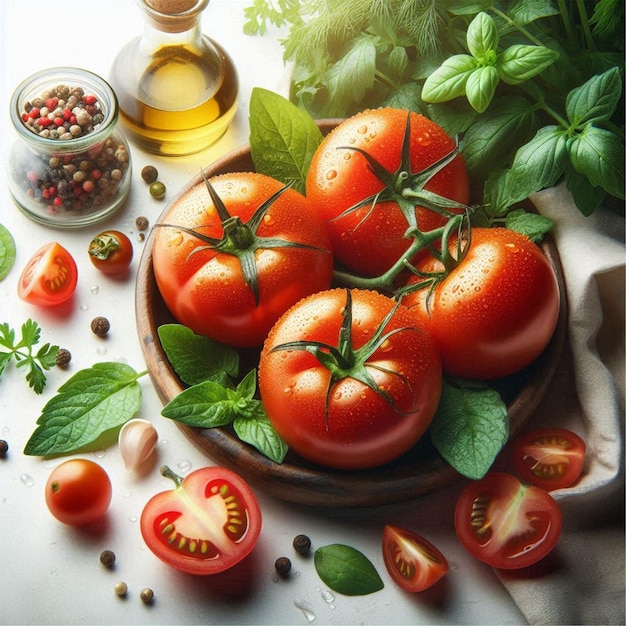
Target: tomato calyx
[[103, 246], [240, 239], [346, 361]]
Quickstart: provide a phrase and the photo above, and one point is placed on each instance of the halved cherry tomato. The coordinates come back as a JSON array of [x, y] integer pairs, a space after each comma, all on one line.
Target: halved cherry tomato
[[111, 252], [413, 562], [505, 523], [78, 492], [50, 276], [207, 524], [551, 458]]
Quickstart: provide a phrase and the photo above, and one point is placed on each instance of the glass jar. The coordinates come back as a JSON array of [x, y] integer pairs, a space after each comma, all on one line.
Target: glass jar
[[177, 88], [71, 165]]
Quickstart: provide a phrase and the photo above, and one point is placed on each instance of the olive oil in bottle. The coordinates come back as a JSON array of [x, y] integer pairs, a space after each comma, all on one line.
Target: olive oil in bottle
[[177, 89]]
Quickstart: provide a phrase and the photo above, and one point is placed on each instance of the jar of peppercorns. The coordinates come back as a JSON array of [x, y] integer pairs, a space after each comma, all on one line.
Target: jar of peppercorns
[[71, 165]]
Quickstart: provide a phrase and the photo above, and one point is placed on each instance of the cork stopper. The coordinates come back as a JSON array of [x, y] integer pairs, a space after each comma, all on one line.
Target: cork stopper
[[174, 16]]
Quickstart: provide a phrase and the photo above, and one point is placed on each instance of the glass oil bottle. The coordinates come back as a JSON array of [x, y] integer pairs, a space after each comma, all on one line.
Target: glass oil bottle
[[177, 88]]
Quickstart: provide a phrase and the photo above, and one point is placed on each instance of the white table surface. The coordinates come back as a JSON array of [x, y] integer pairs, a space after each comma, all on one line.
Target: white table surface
[[50, 573]]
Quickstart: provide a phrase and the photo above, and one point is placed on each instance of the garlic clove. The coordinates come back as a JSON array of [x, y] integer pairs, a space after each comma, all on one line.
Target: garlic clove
[[137, 441]]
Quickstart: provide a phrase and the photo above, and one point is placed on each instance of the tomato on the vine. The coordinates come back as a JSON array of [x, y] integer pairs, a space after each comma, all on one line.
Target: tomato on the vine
[[551, 458], [369, 208], [50, 276], [111, 251], [505, 523], [209, 522], [232, 256], [496, 311], [413, 562], [78, 492], [349, 378]]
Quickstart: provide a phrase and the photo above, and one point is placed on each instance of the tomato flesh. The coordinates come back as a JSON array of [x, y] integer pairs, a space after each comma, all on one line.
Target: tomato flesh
[[496, 311], [78, 492], [505, 523], [50, 276], [210, 522], [412, 561], [551, 458]]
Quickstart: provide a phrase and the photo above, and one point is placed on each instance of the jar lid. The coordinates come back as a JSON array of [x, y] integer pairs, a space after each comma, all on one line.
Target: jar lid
[[173, 16]]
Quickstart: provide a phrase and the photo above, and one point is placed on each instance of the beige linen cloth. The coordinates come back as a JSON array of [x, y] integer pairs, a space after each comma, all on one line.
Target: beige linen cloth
[[583, 580]]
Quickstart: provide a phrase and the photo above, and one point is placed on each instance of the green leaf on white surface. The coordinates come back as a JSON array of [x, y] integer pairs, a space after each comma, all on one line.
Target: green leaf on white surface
[[7, 251]]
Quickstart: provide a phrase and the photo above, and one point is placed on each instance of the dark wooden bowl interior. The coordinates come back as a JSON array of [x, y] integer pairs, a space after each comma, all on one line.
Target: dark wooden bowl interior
[[418, 472]]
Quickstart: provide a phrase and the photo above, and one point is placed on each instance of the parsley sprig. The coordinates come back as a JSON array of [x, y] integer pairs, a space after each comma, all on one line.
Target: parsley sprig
[[25, 354]]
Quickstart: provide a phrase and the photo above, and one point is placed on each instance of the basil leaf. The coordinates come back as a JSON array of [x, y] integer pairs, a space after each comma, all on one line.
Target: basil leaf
[[346, 570], [196, 358], [586, 197], [257, 430], [599, 155], [94, 402], [283, 138], [596, 100], [470, 427], [481, 87], [533, 225], [521, 62], [7, 251], [524, 12], [482, 38], [448, 81]]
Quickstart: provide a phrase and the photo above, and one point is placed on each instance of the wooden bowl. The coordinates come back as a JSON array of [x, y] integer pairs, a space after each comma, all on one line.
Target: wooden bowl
[[418, 472]]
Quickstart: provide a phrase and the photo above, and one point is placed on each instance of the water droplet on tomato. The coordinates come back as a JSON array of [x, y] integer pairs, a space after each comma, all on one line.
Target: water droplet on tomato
[[268, 219], [511, 247], [424, 139], [347, 156], [386, 346], [288, 391], [337, 395], [362, 129], [331, 174]]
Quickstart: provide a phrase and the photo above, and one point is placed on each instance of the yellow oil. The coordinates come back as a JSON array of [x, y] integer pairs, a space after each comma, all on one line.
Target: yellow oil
[[183, 102]]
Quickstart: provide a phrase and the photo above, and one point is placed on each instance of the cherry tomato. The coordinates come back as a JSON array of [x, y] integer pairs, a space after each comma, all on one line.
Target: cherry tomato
[[496, 311], [207, 524], [370, 239], [78, 492], [551, 458], [50, 276], [413, 562], [232, 285], [111, 252], [349, 379], [505, 523]]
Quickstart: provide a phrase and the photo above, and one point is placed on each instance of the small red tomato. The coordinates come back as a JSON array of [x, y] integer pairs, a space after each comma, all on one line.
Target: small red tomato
[[551, 458], [50, 276], [111, 252], [414, 563], [78, 492], [505, 523], [209, 522]]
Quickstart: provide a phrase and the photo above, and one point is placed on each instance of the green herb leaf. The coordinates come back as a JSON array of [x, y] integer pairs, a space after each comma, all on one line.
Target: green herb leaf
[[7, 251], [587, 197], [196, 358], [283, 138], [448, 81], [596, 100], [481, 87], [257, 430], [470, 427], [520, 62], [92, 404], [533, 225], [482, 38], [346, 570]]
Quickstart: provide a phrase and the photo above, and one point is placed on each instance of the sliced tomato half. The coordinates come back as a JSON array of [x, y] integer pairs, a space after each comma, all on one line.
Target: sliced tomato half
[[551, 458], [207, 524], [505, 523], [413, 562]]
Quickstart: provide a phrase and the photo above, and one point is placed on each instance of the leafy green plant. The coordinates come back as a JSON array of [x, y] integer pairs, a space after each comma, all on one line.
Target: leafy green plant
[[512, 79], [25, 355]]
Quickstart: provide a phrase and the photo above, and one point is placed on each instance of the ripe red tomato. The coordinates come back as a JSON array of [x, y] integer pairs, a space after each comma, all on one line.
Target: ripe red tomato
[[111, 252], [78, 492], [413, 562], [551, 458], [207, 524], [371, 239], [50, 276], [204, 285], [496, 311], [505, 523], [363, 391]]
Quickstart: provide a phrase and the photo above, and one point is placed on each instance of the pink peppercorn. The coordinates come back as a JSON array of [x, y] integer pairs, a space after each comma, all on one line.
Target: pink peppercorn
[[59, 121], [57, 201], [88, 186], [96, 174], [52, 103], [89, 99], [34, 113], [44, 121], [67, 114], [32, 176]]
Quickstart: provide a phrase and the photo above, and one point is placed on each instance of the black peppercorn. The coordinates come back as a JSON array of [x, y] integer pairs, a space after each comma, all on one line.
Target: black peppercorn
[[107, 558], [142, 222], [100, 326], [302, 544], [4, 447], [149, 174], [283, 566], [63, 357]]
